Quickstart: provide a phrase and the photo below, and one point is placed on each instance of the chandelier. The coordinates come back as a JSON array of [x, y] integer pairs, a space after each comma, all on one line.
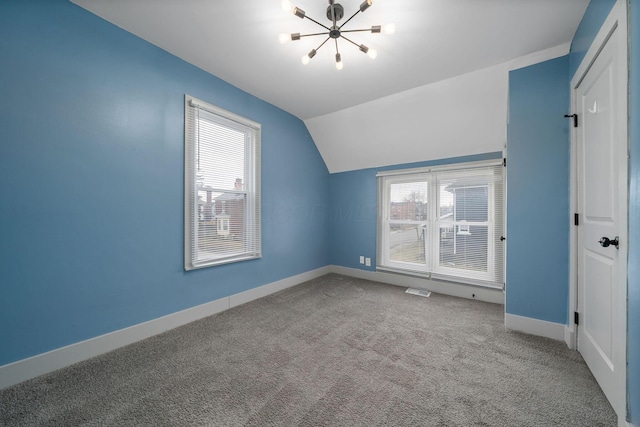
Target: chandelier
[[335, 12]]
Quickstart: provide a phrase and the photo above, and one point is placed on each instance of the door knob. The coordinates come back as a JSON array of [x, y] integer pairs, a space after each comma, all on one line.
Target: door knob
[[605, 242]]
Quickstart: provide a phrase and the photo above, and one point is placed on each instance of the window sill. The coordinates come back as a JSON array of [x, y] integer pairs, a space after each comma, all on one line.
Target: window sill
[[443, 278], [222, 261]]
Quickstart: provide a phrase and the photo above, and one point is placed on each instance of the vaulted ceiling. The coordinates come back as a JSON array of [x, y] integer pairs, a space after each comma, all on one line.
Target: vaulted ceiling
[[435, 41]]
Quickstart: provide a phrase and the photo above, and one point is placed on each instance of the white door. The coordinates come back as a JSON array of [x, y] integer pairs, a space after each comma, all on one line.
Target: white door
[[601, 148]]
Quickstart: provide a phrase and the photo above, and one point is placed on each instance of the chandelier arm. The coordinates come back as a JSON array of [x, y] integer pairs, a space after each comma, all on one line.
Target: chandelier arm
[[322, 44], [351, 41], [345, 22], [356, 31], [322, 25], [336, 40], [313, 34]]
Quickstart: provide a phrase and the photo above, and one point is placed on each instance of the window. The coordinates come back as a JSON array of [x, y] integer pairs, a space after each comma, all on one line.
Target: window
[[443, 223], [222, 186]]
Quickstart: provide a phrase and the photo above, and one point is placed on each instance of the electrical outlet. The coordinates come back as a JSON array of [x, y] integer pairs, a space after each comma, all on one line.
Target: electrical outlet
[[361, 259], [368, 262]]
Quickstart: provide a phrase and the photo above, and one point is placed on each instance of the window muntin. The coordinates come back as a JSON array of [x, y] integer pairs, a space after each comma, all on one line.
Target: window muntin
[[456, 235], [222, 186]]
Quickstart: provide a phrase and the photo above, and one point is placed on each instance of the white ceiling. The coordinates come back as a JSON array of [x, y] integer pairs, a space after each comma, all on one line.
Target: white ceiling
[[237, 41]]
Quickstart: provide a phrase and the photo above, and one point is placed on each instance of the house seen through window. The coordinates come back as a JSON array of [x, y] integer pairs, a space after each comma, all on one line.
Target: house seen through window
[[443, 223], [222, 186]]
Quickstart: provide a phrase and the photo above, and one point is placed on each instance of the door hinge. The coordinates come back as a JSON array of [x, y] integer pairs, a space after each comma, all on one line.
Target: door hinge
[[576, 317], [576, 219], [575, 119], [504, 162]]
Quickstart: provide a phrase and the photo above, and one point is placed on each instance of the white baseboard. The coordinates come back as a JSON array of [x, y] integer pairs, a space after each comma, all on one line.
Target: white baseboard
[[263, 291], [495, 296], [25, 369], [532, 326], [570, 336]]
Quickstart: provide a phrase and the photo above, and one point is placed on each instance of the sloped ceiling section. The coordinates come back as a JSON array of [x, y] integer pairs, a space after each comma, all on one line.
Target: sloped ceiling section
[[460, 116]]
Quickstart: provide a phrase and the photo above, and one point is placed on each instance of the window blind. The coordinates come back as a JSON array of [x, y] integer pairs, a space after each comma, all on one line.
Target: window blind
[[222, 186], [444, 223], [469, 226]]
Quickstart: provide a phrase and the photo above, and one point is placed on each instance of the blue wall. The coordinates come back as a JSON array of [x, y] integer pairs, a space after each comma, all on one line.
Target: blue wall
[[592, 20], [353, 225], [633, 334], [91, 165], [91, 182], [537, 284], [354, 210]]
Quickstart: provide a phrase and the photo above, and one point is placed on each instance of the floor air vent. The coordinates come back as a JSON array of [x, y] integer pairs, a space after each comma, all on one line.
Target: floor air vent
[[418, 292]]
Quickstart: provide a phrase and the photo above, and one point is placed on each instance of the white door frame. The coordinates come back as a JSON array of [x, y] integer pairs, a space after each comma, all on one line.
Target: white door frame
[[617, 20]]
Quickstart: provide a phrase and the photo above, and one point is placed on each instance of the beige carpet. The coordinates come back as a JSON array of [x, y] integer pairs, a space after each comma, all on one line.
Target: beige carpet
[[332, 351]]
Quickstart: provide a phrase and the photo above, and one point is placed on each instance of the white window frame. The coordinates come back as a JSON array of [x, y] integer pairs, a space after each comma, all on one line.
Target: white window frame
[[425, 224], [251, 247], [432, 269]]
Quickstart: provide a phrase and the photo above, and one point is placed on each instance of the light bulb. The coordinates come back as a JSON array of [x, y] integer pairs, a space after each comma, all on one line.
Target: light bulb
[[284, 38], [372, 53], [308, 56], [286, 6], [339, 64], [389, 28]]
